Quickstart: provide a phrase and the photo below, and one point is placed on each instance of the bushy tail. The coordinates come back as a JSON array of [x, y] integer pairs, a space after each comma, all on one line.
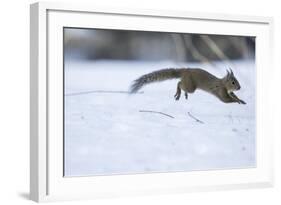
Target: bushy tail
[[155, 76]]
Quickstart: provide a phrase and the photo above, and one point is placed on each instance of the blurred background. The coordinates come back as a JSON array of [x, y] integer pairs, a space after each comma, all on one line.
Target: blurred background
[[95, 44]]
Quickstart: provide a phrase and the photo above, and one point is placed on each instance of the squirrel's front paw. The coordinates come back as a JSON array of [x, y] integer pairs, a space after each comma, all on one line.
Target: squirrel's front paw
[[242, 102]]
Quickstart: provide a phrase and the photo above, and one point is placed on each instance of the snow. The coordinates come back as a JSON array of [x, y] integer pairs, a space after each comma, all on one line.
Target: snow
[[106, 134]]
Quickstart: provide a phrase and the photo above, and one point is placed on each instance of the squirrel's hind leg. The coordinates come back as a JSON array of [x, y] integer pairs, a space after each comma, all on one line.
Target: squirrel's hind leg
[[178, 93], [185, 95]]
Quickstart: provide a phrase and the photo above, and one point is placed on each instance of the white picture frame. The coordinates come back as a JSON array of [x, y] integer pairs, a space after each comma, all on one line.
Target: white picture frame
[[46, 157]]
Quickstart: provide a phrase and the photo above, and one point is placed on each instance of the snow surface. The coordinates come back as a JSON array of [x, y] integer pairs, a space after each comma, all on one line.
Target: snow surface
[[106, 134]]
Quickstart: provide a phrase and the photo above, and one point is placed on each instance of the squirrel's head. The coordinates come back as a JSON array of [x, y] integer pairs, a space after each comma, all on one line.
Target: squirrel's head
[[231, 83]]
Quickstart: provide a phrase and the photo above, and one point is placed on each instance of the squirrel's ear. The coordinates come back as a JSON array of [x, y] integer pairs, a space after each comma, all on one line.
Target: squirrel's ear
[[227, 74], [231, 72]]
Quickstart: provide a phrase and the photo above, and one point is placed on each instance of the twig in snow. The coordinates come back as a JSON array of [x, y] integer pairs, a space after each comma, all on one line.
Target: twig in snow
[[151, 111], [197, 120], [100, 91]]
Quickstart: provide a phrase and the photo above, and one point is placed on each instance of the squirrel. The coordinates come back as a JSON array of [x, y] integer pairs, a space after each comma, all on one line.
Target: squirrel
[[192, 79]]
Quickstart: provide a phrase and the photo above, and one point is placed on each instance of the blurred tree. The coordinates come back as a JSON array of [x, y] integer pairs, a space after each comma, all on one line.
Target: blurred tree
[[95, 44]]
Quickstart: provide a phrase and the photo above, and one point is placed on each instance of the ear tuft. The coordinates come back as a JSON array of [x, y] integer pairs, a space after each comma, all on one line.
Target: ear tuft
[[231, 72], [228, 74]]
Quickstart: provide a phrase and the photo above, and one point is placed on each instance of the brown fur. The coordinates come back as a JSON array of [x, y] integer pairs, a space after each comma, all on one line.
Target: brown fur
[[192, 79]]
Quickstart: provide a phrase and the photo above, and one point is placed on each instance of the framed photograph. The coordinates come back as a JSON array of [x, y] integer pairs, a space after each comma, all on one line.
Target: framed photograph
[[131, 102]]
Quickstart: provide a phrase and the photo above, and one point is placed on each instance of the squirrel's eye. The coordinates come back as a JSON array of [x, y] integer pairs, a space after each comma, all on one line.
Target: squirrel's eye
[[233, 83]]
